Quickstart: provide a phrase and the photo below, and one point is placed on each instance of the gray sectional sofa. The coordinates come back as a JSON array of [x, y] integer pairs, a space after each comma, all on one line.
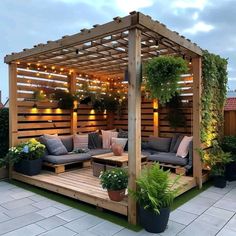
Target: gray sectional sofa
[[164, 150]]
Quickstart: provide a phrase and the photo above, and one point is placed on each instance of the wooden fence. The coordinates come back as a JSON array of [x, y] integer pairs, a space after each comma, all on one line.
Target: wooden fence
[[230, 123]]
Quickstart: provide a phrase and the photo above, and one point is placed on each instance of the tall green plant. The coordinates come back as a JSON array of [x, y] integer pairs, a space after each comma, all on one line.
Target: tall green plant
[[163, 74], [156, 189]]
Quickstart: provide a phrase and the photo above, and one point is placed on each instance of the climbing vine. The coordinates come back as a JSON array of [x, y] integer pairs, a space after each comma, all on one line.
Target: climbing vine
[[214, 88]]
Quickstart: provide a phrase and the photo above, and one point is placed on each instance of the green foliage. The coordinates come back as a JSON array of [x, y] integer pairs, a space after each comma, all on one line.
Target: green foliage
[[228, 144], [65, 99], [114, 179], [216, 159], [29, 150], [4, 131], [156, 189], [163, 74], [214, 88]]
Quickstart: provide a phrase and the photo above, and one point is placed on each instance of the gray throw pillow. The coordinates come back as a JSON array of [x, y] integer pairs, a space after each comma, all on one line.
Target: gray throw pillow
[[123, 134], [56, 147], [67, 141], [178, 143], [173, 142], [159, 144], [94, 140]]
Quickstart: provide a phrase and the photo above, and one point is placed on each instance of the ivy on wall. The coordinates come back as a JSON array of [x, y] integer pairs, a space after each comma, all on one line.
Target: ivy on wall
[[214, 88]]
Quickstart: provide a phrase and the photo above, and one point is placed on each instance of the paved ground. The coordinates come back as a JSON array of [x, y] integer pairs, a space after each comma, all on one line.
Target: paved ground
[[23, 213]]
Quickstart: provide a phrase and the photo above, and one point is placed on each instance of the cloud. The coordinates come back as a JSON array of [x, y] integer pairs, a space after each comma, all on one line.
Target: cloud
[[199, 27], [131, 5], [185, 4]]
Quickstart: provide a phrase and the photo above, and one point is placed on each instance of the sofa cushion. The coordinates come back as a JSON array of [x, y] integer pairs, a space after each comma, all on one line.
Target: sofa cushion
[[80, 141], [178, 141], [173, 142], [67, 141], [183, 148], [159, 144], [55, 146], [120, 141], [107, 135], [169, 158], [94, 140], [68, 158], [123, 134]]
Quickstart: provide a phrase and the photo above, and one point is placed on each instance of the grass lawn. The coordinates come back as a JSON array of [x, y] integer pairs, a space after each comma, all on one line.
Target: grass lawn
[[107, 215]]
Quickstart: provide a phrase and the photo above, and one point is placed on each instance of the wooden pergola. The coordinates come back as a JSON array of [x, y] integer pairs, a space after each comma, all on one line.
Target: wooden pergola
[[102, 54]]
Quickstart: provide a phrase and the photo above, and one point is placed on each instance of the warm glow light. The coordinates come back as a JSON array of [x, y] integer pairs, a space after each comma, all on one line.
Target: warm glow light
[[38, 64], [34, 110], [18, 63], [53, 67], [58, 110], [92, 111], [28, 64], [48, 110], [61, 69]]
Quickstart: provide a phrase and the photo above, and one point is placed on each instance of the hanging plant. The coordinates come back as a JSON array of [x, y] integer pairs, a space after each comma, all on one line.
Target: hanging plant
[[163, 74], [65, 99], [105, 102]]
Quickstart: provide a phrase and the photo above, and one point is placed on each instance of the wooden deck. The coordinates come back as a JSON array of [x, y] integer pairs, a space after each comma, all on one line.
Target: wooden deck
[[82, 185]]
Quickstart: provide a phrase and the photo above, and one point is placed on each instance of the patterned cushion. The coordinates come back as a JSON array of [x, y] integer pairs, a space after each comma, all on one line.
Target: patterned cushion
[[121, 141], [184, 147], [107, 135], [55, 146], [80, 141]]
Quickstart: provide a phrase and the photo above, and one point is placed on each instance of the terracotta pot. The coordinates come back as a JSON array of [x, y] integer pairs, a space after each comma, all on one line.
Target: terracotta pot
[[116, 195], [117, 149]]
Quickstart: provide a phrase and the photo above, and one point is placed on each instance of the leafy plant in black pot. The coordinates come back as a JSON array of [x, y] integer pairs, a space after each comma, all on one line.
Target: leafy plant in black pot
[[155, 194], [228, 144]]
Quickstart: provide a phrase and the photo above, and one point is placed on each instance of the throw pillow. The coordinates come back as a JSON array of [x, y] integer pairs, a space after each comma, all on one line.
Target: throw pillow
[[50, 136], [55, 146], [67, 141], [159, 144], [107, 135], [121, 141], [184, 147], [80, 141], [94, 140], [123, 134], [178, 143], [173, 142]]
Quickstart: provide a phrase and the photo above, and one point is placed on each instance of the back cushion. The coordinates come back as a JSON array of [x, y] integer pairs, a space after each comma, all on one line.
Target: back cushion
[[94, 140], [67, 142], [121, 141], [173, 142], [55, 146], [178, 141], [159, 144], [183, 148], [107, 135], [80, 141], [123, 134]]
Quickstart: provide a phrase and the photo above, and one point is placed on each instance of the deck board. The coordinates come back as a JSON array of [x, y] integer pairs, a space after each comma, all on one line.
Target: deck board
[[82, 185]]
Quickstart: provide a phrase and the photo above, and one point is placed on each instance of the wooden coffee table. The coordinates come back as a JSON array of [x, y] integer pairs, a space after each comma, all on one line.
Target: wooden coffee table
[[109, 160]]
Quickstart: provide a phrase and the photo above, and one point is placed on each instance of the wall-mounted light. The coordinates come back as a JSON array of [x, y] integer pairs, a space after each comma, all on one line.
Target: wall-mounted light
[[190, 61], [155, 109], [35, 106], [75, 110]]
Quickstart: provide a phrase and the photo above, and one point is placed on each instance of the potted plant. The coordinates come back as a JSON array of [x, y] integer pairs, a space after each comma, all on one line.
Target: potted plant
[[228, 144], [155, 194], [26, 157], [115, 181]]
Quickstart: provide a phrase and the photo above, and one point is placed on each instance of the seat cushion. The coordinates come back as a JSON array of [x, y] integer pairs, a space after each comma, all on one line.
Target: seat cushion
[[68, 158], [159, 144], [169, 158]]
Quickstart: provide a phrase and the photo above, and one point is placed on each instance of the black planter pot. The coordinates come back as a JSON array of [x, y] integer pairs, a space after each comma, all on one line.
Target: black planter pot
[[230, 171], [219, 181], [153, 222], [29, 167]]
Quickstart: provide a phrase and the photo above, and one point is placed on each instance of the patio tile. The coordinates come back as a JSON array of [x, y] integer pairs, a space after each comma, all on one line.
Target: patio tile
[[20, 211], [127, 232], [29, 230], [232, 224], [72, 214], [5, 186], [210, 194], [226, 204], [83, 223], [219, 213], [51, 223], [182, 217], [38, 198], [17, 203], [105, 229], [5, 197], [60, 231], [19, 222], [226, 232], [50, 211], [21, 194], [173, 228], [43, 204], [221, 191], [62, 207], [4, 217]]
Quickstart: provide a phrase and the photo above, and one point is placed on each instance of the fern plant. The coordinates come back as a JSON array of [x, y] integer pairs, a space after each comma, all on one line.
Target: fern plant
[[155, 189]]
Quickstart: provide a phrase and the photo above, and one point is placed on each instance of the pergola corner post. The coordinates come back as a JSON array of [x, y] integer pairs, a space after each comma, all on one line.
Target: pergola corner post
[[134, 117], [72, 89], [13, 136], [197, 81]]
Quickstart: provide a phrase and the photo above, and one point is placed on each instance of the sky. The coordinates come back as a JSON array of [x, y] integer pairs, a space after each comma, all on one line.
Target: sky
[[24, 23]]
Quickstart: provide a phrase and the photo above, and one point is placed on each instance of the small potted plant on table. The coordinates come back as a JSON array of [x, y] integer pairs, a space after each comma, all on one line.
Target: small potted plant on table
[[155, 194], [115, 181], [26, 157]]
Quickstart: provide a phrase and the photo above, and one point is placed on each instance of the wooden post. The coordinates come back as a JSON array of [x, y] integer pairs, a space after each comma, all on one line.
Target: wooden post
[[110, 120], [72, 89], [134, 117], [155, 118], [197, 77], [13, 137]]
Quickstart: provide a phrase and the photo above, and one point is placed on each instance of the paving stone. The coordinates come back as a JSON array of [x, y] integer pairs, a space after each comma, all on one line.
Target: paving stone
[[5, 186], [105, 229], [4, 217], [212, 195], [72, 214], [19, 222], [173, 228], [5, 197], [50, 211], [83, 223], [127, 232], [226, 232], [43, 204], [60, 231], [232, 223], [182, 217], [226, 204], [38, 198], [221, 191], [29, 230], [17, 203], [51, 222], [20, 211], [62, 207], [21, 194]]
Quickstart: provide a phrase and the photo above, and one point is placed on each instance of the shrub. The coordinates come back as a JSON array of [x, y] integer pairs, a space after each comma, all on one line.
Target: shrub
[[228, 144], [115, 179], [4, 132]]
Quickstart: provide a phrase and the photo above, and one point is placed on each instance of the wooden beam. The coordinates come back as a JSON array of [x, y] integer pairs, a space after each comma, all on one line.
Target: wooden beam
[[197, 76], [134, 117], [72, 89], [13, 135]]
